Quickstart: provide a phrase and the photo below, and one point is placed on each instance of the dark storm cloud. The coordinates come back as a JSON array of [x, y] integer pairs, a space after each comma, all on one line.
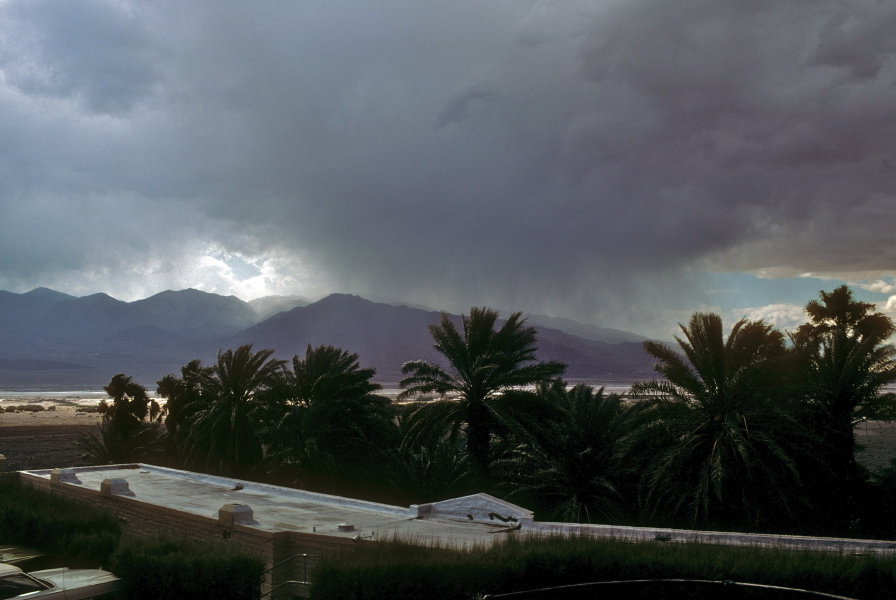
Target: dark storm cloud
[[94, 50], [574, 157]]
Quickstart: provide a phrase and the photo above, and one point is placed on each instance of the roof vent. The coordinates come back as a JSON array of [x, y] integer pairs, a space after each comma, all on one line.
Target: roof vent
[[115, 487], [235, 514], [63, 476]]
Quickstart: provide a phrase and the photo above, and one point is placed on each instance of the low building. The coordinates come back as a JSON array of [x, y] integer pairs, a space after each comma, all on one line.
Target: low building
[[291, 528]]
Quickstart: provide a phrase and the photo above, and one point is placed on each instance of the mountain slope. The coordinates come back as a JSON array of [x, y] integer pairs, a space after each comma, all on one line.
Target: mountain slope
[[383, 335], [194, 311], [386, 336], [583, 330], [148, 338], [269, 306], [48, 338]]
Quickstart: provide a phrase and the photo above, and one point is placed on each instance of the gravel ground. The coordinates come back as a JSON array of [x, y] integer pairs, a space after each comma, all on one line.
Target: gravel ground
[[43, 440]]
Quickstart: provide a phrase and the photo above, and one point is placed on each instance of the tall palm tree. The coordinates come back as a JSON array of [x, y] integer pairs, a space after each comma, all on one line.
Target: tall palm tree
[[846, 365], [570, 469], [222, 433], [838, 311], [328, 419], [129, 430], [484, 363], [185, 393], [716, 438], [130, 402], [114, 444]]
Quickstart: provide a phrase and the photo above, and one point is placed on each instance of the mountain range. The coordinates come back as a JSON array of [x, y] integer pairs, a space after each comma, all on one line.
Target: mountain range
[[50, 340]]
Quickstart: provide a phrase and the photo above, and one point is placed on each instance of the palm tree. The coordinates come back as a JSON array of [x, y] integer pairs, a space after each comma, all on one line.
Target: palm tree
[[130, 402], [184, 393], [114, 444], [431, 473], [222, 433], [483, 364], [124, 435], [846, 365], [570, 468], [329, 420], [716, 438], [839, 312]]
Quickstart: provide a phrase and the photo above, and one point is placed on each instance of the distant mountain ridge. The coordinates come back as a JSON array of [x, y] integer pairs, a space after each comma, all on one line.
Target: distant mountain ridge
[[50, 339], [589, 332], [271, 305]]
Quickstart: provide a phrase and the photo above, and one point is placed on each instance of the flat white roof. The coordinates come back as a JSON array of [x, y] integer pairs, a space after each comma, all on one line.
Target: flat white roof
[[460, 522]]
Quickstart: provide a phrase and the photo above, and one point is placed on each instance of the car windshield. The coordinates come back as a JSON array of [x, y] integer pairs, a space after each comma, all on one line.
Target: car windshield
[[15, 585]]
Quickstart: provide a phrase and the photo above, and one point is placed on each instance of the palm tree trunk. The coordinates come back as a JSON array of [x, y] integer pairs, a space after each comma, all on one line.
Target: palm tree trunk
[[843, 489], [479, 437]]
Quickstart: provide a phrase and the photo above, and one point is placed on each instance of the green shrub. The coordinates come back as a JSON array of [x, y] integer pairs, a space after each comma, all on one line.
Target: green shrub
[[397, 570], [165, 568], [154, 568], [55, 525]]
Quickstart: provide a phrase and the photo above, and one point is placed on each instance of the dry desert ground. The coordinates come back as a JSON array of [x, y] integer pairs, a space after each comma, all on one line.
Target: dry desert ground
[[41, 440]]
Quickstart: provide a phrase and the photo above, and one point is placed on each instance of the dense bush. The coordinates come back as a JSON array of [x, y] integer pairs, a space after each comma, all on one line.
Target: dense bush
[[154, 568], [398, 570], [165, 568], [26, 408], [54, 525]]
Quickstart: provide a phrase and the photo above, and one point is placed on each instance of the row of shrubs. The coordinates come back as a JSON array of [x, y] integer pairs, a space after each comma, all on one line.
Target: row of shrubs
[[28, 408], [40, 408], [400, 570], [150, 568]]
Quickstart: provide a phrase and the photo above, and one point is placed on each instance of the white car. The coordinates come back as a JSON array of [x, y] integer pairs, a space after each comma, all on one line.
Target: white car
[[57, 584]]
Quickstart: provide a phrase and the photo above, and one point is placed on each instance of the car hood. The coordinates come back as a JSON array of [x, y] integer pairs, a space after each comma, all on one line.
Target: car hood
[[68, 579]]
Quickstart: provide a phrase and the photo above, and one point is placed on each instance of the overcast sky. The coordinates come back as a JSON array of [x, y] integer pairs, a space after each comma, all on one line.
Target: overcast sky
[[623, 163]]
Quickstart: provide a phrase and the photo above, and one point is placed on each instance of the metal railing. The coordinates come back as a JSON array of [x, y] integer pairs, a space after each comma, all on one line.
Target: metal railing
[[303, 582]]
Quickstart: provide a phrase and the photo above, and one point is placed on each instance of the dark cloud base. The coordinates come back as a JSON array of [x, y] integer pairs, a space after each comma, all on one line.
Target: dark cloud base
[[570, 158]]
